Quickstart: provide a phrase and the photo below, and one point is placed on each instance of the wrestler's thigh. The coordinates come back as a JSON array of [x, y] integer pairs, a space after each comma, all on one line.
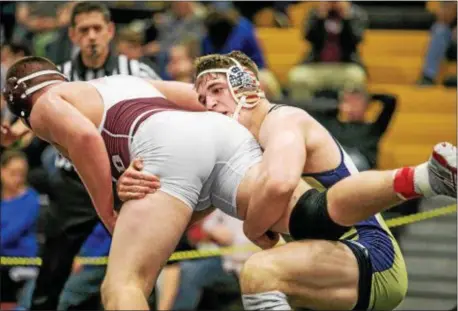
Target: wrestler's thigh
[[146, 233]]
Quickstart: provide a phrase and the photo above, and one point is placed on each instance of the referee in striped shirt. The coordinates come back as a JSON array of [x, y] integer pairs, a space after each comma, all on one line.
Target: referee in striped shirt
[[71, 217]]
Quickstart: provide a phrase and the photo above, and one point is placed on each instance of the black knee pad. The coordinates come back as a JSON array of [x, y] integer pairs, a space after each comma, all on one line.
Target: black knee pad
[[310, 218]]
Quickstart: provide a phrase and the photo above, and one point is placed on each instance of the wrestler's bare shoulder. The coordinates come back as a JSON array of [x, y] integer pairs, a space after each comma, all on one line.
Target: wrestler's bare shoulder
[[74, 88], [288, 115], [291, 112], [293, 117], [78, 93]]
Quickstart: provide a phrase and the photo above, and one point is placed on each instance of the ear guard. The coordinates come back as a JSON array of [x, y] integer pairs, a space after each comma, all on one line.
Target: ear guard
[[243, 85]]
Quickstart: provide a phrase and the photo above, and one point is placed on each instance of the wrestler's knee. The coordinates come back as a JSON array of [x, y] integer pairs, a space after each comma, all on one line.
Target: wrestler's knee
[[108, 292], [114, 290], [260, 273]]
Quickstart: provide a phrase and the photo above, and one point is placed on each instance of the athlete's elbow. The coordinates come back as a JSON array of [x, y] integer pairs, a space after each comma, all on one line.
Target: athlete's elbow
[[84, 140], [281, 185]]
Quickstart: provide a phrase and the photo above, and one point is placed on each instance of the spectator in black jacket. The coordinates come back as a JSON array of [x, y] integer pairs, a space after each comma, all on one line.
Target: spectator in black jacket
[[359, 138], [334, 31]]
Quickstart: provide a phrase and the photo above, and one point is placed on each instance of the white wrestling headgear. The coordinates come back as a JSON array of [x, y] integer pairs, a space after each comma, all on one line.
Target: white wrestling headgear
[[243, 85]]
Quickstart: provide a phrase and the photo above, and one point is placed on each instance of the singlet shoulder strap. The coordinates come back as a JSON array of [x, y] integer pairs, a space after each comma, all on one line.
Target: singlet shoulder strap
[[275, 107]]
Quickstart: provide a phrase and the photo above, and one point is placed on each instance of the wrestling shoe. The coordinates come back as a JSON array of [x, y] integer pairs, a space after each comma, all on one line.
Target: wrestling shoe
[[439, 175]]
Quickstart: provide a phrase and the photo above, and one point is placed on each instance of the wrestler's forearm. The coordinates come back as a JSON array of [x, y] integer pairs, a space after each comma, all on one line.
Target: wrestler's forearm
[[281, 167], [180, 93], [267, 205], [89, 155]]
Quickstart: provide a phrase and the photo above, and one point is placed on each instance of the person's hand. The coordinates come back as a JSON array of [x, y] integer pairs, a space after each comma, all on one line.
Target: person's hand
[[267, 240], [77, 266], [11, 134], [343, 8], [151, 48], [323, 9], [134, 184]]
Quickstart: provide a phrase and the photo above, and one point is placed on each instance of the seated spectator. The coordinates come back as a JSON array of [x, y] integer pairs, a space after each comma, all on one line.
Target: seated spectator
[[20, 207], [279, 11], [334, 31], [37, 23], [180, 61], [227, 32], [130, 43], [218, 230], [443, 37], [347, 124], [61, 48], [184, 19], [32, 146], [10, 53], [82, 290]]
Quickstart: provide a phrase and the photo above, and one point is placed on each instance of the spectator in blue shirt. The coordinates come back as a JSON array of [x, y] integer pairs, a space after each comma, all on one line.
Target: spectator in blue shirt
[[227, 32], [19, 214]]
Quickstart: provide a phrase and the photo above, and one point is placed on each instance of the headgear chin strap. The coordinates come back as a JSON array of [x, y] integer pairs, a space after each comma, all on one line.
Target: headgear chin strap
[[243, 85]]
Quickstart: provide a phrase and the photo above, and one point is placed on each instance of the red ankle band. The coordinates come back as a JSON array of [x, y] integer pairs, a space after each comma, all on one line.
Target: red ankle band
[[403, 183]]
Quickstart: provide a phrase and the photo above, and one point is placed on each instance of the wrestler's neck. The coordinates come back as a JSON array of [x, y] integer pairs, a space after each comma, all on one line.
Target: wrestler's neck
[[253, 118], [95, 62], [34, 97]]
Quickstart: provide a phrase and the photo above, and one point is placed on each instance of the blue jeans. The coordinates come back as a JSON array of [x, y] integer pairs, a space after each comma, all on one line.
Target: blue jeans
[[79, 287], [441, 37], [194, 276], [48, 158]]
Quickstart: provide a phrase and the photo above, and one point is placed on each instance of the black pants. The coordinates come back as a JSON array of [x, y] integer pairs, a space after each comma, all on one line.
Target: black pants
[[9, 288], [67, 223]]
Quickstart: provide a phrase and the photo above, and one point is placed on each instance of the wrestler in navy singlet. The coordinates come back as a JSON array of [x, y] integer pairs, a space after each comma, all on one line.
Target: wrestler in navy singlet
[[388, 267]]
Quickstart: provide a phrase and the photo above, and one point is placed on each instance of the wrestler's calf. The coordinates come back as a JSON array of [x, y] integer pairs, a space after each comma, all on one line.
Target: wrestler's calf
[[313, 274]]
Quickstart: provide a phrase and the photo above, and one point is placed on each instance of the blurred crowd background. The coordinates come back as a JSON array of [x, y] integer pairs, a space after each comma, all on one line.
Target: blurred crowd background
[[381, 76]]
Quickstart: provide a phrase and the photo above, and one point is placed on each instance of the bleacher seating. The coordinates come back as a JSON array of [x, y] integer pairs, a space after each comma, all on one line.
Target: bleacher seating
[[424, 117], [394, 59], [391, 56]]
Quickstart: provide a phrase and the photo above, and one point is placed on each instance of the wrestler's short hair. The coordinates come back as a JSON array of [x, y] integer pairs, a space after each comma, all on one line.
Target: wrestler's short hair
[[215, 61]]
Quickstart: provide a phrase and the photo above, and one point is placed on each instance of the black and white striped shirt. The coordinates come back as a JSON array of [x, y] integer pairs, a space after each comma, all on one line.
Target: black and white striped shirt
[[75, 70]]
